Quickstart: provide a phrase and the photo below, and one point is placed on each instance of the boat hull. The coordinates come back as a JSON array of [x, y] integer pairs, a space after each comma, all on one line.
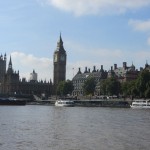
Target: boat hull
[[139, 107], [64, 103], [11, 102], [140, 104]]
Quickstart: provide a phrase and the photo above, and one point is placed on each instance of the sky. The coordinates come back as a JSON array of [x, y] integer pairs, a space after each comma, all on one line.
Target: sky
[[94, 32]]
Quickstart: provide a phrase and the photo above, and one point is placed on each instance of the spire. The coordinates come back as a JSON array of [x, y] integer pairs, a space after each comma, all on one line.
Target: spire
[[60, 39], [10, 63], [146, 65], [10, 70], [60, 46]]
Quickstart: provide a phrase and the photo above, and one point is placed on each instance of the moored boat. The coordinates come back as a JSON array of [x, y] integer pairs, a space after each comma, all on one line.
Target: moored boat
[[64, 103], [11, 101], [140, 104]]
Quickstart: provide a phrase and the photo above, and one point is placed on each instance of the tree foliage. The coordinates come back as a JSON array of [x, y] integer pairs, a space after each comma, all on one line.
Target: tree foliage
[[89, 86], [143, 84], [110, 86], [139, 87], [64, 88], [129, 88]]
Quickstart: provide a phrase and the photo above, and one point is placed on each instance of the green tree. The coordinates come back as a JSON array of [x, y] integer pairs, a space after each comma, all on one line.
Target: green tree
[[143, 83], [125, 89], [113, 86], [103, 86], [60, 88], [68, 87], [89, 86], [64, 88], [129, 88]]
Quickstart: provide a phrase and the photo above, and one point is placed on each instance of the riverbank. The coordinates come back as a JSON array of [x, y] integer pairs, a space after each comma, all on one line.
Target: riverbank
[[88, 103]]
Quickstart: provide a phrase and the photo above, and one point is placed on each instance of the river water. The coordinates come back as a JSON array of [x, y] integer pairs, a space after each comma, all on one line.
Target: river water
[[33, 127]]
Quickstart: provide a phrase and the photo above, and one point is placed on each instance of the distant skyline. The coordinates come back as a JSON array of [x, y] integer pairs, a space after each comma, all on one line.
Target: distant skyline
[[94, 32]]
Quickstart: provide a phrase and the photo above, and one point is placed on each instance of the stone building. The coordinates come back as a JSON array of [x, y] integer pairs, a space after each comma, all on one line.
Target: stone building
[[11, 80], [33, 76], [80, 78], [12, 84], [124, 73]]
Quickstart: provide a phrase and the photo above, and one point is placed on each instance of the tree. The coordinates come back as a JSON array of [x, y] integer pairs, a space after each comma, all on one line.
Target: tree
[[89, 86], [113, 86], [68, 87], [110, 86], [60, 88], [143, 83], [129, 88], [64, 88], [103, 87]]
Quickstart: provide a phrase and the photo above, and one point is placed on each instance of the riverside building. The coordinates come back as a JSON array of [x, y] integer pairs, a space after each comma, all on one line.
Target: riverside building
[[10, 82], [122, 74], [79, 79]]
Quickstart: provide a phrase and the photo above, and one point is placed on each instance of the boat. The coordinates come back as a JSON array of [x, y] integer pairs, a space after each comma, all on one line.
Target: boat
[[65, 103], [140, 104], [11, 101]]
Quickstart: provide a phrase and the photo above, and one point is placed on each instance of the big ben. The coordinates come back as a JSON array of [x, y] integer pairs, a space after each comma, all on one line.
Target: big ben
[[59, 61]]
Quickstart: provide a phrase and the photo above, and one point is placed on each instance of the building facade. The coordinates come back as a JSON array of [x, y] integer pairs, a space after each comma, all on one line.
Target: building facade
[[33, 76], [124, 73], [80, 78], [12, 84]]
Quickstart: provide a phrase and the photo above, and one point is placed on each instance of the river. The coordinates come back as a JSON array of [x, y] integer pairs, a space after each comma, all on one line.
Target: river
[[33, 127]]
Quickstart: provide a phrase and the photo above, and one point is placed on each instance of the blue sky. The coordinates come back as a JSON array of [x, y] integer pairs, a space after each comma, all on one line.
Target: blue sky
[[94, 32]]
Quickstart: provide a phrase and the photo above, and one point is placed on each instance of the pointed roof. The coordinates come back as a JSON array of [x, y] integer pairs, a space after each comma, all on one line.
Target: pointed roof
[[60, 46], [10, 69], [10, 62], [60, 39]]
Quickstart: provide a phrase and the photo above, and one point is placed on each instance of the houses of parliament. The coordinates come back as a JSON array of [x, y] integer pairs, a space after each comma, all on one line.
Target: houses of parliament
[[10, 82]]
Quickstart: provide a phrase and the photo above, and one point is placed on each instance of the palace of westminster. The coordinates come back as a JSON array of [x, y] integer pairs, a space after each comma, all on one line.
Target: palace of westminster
[[10, 82]]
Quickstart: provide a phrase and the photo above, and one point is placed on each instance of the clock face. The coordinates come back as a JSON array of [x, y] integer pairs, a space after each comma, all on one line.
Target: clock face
[[62, 57]]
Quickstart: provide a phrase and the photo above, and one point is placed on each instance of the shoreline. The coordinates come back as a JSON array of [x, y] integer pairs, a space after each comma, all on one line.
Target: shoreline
[[88, 103]]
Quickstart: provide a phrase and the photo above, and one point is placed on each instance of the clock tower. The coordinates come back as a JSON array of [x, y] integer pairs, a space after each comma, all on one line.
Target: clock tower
[[59, 61]]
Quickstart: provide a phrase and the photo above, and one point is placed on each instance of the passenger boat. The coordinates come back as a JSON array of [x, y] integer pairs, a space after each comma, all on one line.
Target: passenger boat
[[140, 104], [65, 103]]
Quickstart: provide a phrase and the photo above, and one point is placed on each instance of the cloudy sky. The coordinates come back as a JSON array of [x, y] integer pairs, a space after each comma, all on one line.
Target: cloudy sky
[[94, 32]]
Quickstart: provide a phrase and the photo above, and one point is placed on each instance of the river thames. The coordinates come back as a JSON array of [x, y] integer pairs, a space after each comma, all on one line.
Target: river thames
[[33, 127]]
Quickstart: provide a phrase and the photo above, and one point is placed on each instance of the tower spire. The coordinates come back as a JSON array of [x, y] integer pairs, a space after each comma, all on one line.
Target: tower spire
[[60, 39], [10, 63], [60, 46], [10, 70]]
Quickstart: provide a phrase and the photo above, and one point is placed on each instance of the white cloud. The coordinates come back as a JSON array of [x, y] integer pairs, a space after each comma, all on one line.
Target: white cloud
[[84, 7], [140, 25], [25, 63], [148, 41]]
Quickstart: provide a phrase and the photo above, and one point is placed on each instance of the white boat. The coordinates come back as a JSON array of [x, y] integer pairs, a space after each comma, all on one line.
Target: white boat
[[65, 103], [140, 104]]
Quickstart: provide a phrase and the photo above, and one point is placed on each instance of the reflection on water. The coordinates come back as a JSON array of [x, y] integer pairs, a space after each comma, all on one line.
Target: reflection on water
[[73, 128]]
